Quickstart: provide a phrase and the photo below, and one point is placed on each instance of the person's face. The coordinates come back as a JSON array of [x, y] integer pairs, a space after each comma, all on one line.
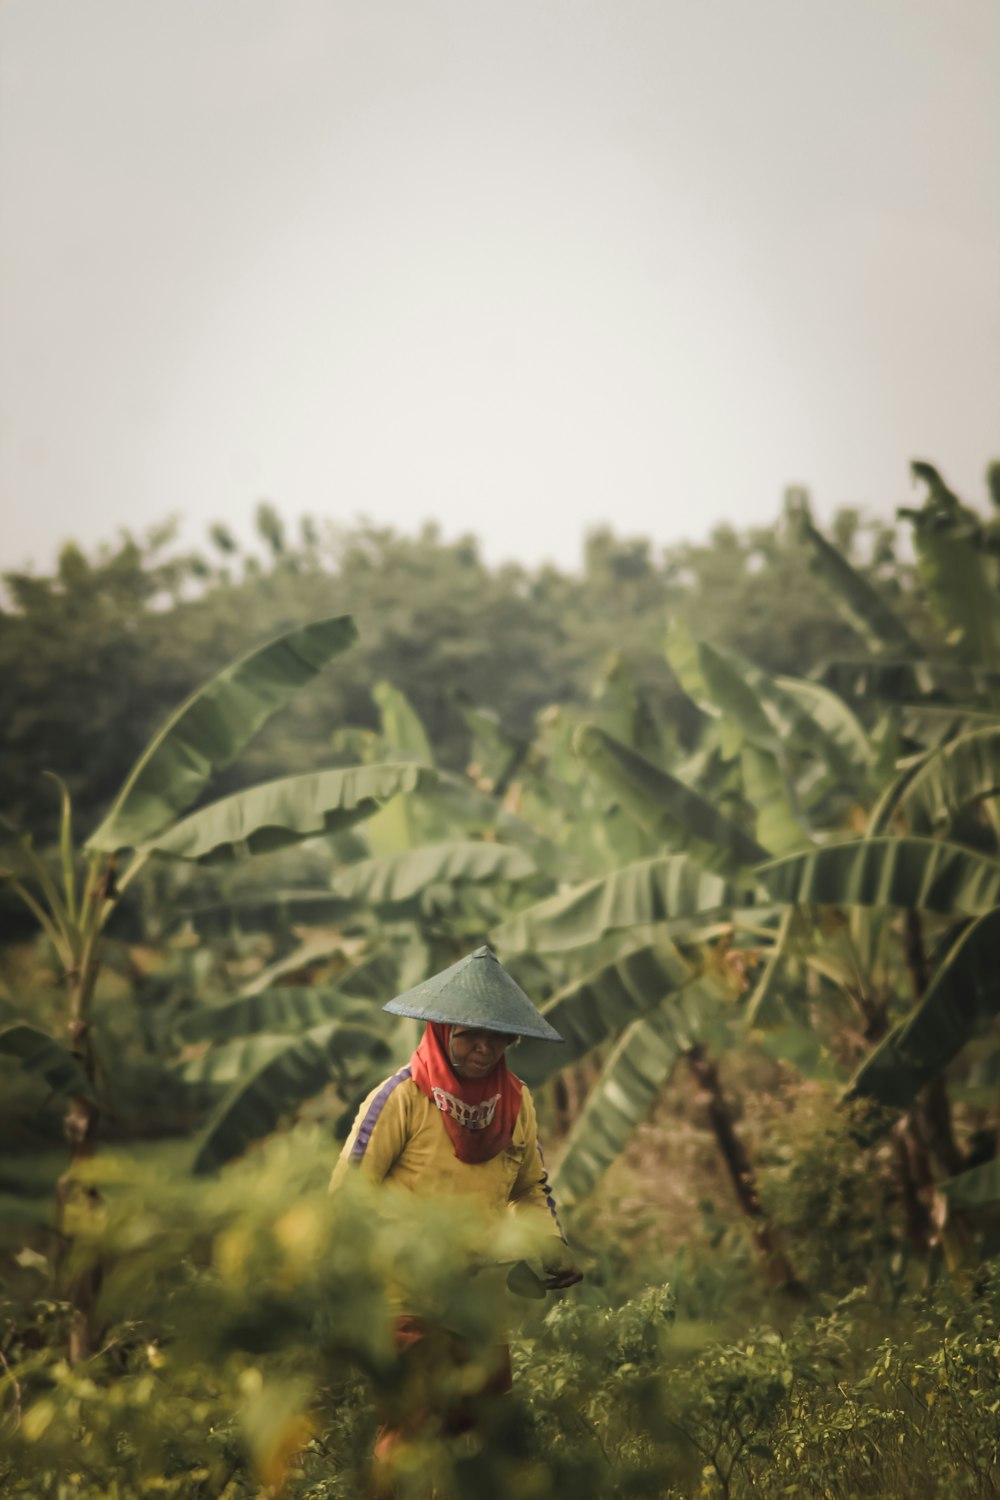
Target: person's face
[[475, 1052]]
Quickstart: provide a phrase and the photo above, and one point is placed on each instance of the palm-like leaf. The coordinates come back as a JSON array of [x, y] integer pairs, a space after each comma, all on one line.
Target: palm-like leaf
[[40, 1054], [908, 681], [278, 813], [590, 1010], [959, 575], [861, 604], [913, 873], [935, 724], [211, 727], [291, 1075], [636, 895], [977, 1188], [823, 723], [401, 877], [288, 1008], [404, 735], [963, 995], [633, 1076], [665, 807], [961, 772]]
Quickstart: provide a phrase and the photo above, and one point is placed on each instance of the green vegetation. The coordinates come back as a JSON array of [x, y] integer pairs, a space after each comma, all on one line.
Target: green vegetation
[[730, 815]]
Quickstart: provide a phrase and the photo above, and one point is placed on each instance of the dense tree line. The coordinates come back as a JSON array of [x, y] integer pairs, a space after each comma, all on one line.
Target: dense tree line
[[96, 653]]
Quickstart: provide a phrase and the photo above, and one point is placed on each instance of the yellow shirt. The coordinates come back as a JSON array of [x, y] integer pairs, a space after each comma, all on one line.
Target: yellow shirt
[[399, 1136]]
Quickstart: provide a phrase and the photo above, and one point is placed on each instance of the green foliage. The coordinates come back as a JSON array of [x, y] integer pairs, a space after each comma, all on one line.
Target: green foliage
[[663, 889], [279, 813], [631, 1080], [210, 729], [917, 874], [962, 998], [665, 807]]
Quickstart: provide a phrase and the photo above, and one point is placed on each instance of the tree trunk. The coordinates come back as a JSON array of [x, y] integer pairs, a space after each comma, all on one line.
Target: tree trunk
[[74, 1199], [932, 1112], [739, 1166]]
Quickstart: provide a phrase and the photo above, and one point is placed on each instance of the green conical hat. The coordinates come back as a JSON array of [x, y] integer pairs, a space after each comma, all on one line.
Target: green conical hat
[[477, 991]]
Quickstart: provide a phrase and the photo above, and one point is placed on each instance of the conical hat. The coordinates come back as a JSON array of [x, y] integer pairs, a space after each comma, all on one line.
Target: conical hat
[[477, 991]]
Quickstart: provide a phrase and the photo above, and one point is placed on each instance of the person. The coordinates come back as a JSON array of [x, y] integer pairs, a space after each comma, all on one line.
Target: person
[[456, 1120]]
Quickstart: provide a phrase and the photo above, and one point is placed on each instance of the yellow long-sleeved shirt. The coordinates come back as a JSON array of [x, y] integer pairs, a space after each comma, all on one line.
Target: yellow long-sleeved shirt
[[399, 1136]]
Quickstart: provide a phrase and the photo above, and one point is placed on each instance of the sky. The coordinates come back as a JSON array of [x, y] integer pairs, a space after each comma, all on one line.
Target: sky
[[523, 268]]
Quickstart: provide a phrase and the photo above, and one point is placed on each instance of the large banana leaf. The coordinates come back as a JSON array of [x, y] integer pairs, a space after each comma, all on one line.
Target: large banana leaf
[[282, 812], [767, 789], [255, 912], [959, 575], [651, 890], [256, 1105], [223, 1065], [859, 602], [961, 772], [977, 1188], [935, 724], [399, 877], [590, 1010], [825, 725], [917, 874], [404, 735], [288, 1008], [964, 993], [466, 807], [318, 949], [665, 807], [626, 1091], [47, 1059], [765, 997], [210, 729], [908, 681], [717, 683]]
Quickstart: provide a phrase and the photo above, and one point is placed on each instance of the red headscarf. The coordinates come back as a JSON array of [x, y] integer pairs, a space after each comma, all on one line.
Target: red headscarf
[[479, 1114]]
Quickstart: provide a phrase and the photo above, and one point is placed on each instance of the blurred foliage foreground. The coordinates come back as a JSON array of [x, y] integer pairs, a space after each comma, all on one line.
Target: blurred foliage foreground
[[247, 1338], [753, 880]]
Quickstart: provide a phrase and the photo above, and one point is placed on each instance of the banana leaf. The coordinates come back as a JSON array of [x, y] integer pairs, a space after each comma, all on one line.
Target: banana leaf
[[45, 1058], [963, 994], [265, 910], [278, 813], [769, 791], [959, 575], [934, 724], [861, 604], [666, 887], [665, 807], [964, 771], [288, 1008], [256, 1105], [588, 1011], [913, 873], [632, 1078], [404, 735], [223, 1065], [211, 727], [827, 726], [979, 1187], [400, 877], [909, 681]]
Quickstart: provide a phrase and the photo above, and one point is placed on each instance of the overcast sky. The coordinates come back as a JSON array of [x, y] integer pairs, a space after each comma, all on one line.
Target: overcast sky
[[523, 267]]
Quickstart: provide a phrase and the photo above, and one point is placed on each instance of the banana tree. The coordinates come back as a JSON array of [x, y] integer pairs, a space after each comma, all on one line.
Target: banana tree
[[426, 875], [74, 903]]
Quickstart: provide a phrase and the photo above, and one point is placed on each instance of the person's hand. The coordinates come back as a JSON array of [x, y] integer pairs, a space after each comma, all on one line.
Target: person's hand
[[559, 1268], [555, 1281]]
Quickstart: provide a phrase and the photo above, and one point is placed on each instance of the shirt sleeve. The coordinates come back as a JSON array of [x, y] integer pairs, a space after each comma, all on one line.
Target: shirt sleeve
[[379, 1132], [531, 1193]]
